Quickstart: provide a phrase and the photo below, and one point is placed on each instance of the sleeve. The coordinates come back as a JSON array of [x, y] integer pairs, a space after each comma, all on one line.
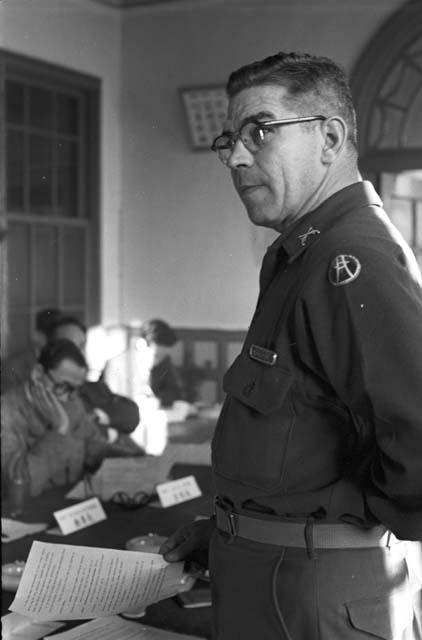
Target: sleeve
[[43, 460], [360, 319], [84, 424], [122, 412], [165, 383]]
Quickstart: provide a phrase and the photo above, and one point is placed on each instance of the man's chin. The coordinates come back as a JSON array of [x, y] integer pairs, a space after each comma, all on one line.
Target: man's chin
[[259, 219]]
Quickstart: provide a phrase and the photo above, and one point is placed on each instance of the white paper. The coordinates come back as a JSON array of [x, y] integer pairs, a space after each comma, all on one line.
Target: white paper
[[139, 473], [14, 529], [177, 491], [17, 627], [115, 628], [67, 582], [79, 516]]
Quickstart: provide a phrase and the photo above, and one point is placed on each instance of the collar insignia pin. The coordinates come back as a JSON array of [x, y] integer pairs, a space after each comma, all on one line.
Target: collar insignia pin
[[310, 232]]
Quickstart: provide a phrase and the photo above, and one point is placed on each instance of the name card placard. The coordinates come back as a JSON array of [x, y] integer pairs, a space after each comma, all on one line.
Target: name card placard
[[177, 491], [79, 516]]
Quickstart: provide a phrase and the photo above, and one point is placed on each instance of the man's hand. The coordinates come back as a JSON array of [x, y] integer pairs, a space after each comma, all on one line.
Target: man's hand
[[187, 539], [50, 408]]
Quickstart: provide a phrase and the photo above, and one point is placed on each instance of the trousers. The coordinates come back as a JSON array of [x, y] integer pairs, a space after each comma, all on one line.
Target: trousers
[[267, 592]]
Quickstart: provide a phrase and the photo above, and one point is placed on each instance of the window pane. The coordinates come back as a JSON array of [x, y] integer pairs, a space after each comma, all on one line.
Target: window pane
[[67, 178], [74, 267], [18, 265], [68, 114], [14, 102], [46, 271], [40, 150], [40, 108], [40, 176], [15, 171], [401, 216]]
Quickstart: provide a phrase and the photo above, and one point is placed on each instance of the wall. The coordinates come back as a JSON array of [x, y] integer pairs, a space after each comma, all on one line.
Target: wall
[[175, 240], [190, 255], [84, 37]]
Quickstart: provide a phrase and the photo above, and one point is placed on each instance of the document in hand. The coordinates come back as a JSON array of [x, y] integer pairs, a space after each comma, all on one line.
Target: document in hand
[[67, 582]]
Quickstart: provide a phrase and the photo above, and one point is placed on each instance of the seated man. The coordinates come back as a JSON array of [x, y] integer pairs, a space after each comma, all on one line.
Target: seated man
[[164, 379], [44, 423], [15, 369], [111, 411]]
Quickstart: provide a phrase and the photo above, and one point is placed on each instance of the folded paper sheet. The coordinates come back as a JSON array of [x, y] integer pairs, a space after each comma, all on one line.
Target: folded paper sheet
[[66, 582]]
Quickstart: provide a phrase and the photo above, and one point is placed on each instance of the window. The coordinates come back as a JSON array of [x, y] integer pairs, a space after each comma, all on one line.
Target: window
[[402, 196], [50, 207]]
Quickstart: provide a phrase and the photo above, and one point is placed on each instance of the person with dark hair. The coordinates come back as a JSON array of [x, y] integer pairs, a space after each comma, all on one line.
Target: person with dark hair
[[15, 369], [70, 328], [44, 320], [316, 456], [111, 410], [164, 379], [44, 424]]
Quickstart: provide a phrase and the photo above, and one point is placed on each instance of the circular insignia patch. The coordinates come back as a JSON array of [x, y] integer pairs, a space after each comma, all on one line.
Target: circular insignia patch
[[343, 269]]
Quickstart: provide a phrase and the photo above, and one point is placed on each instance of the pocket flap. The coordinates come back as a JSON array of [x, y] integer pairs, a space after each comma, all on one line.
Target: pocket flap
[[260, 386], [384, 617]]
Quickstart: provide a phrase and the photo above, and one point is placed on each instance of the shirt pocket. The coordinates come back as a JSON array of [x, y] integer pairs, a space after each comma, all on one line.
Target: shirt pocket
[[253, 432], [385, 617]]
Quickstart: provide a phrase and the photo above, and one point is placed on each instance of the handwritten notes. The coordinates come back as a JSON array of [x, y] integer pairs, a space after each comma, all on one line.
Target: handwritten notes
[[66, 582]]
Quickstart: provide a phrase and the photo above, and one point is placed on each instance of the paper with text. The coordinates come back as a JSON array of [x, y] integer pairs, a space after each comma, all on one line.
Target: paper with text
[[177, 491], [115, 628], [79, 516], [67, 582]]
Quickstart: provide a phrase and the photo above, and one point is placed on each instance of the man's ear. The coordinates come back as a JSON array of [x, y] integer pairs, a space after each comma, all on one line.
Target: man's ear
[[335, 138], [37, 373]]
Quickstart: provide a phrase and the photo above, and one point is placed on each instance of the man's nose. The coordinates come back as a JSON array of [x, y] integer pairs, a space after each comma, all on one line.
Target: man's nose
[[240, 156]]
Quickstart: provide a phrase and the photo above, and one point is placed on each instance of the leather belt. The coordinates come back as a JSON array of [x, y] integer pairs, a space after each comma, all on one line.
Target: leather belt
[[295, 534]]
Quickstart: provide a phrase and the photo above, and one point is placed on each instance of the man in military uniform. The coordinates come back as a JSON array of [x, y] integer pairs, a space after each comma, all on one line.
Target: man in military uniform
[[317, 455]]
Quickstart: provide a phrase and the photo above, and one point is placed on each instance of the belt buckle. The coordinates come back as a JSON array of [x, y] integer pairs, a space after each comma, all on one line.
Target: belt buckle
[[232, 520]]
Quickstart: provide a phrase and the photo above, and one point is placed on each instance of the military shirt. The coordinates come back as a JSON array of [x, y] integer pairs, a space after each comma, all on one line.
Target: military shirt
[[323, 413]]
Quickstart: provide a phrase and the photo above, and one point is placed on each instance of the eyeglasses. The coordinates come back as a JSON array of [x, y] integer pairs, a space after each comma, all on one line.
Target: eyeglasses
[[253, 135], [61, 388], [125, 501]]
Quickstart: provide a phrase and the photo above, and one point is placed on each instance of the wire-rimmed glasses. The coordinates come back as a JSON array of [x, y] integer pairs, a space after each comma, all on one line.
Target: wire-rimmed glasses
[[125, 501], [253, 134]]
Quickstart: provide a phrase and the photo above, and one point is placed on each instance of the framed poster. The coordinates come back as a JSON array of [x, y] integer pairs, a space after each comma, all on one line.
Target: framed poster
[[206, 110]]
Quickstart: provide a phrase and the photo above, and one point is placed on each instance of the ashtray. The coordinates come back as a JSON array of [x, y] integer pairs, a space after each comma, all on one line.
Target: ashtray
[[149, 543], [11, 574]]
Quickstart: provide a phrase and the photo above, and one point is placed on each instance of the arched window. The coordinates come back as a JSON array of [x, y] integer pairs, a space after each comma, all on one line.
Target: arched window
[[387, 88]]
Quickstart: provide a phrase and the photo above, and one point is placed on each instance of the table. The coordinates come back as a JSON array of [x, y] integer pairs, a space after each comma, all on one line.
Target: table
[[120, 526]]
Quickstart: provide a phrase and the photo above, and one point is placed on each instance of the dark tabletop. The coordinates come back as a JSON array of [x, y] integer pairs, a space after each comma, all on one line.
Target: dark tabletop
[[115, 531]]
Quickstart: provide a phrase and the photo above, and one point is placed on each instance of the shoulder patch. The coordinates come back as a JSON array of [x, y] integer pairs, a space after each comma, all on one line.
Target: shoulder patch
[[343, 269]]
